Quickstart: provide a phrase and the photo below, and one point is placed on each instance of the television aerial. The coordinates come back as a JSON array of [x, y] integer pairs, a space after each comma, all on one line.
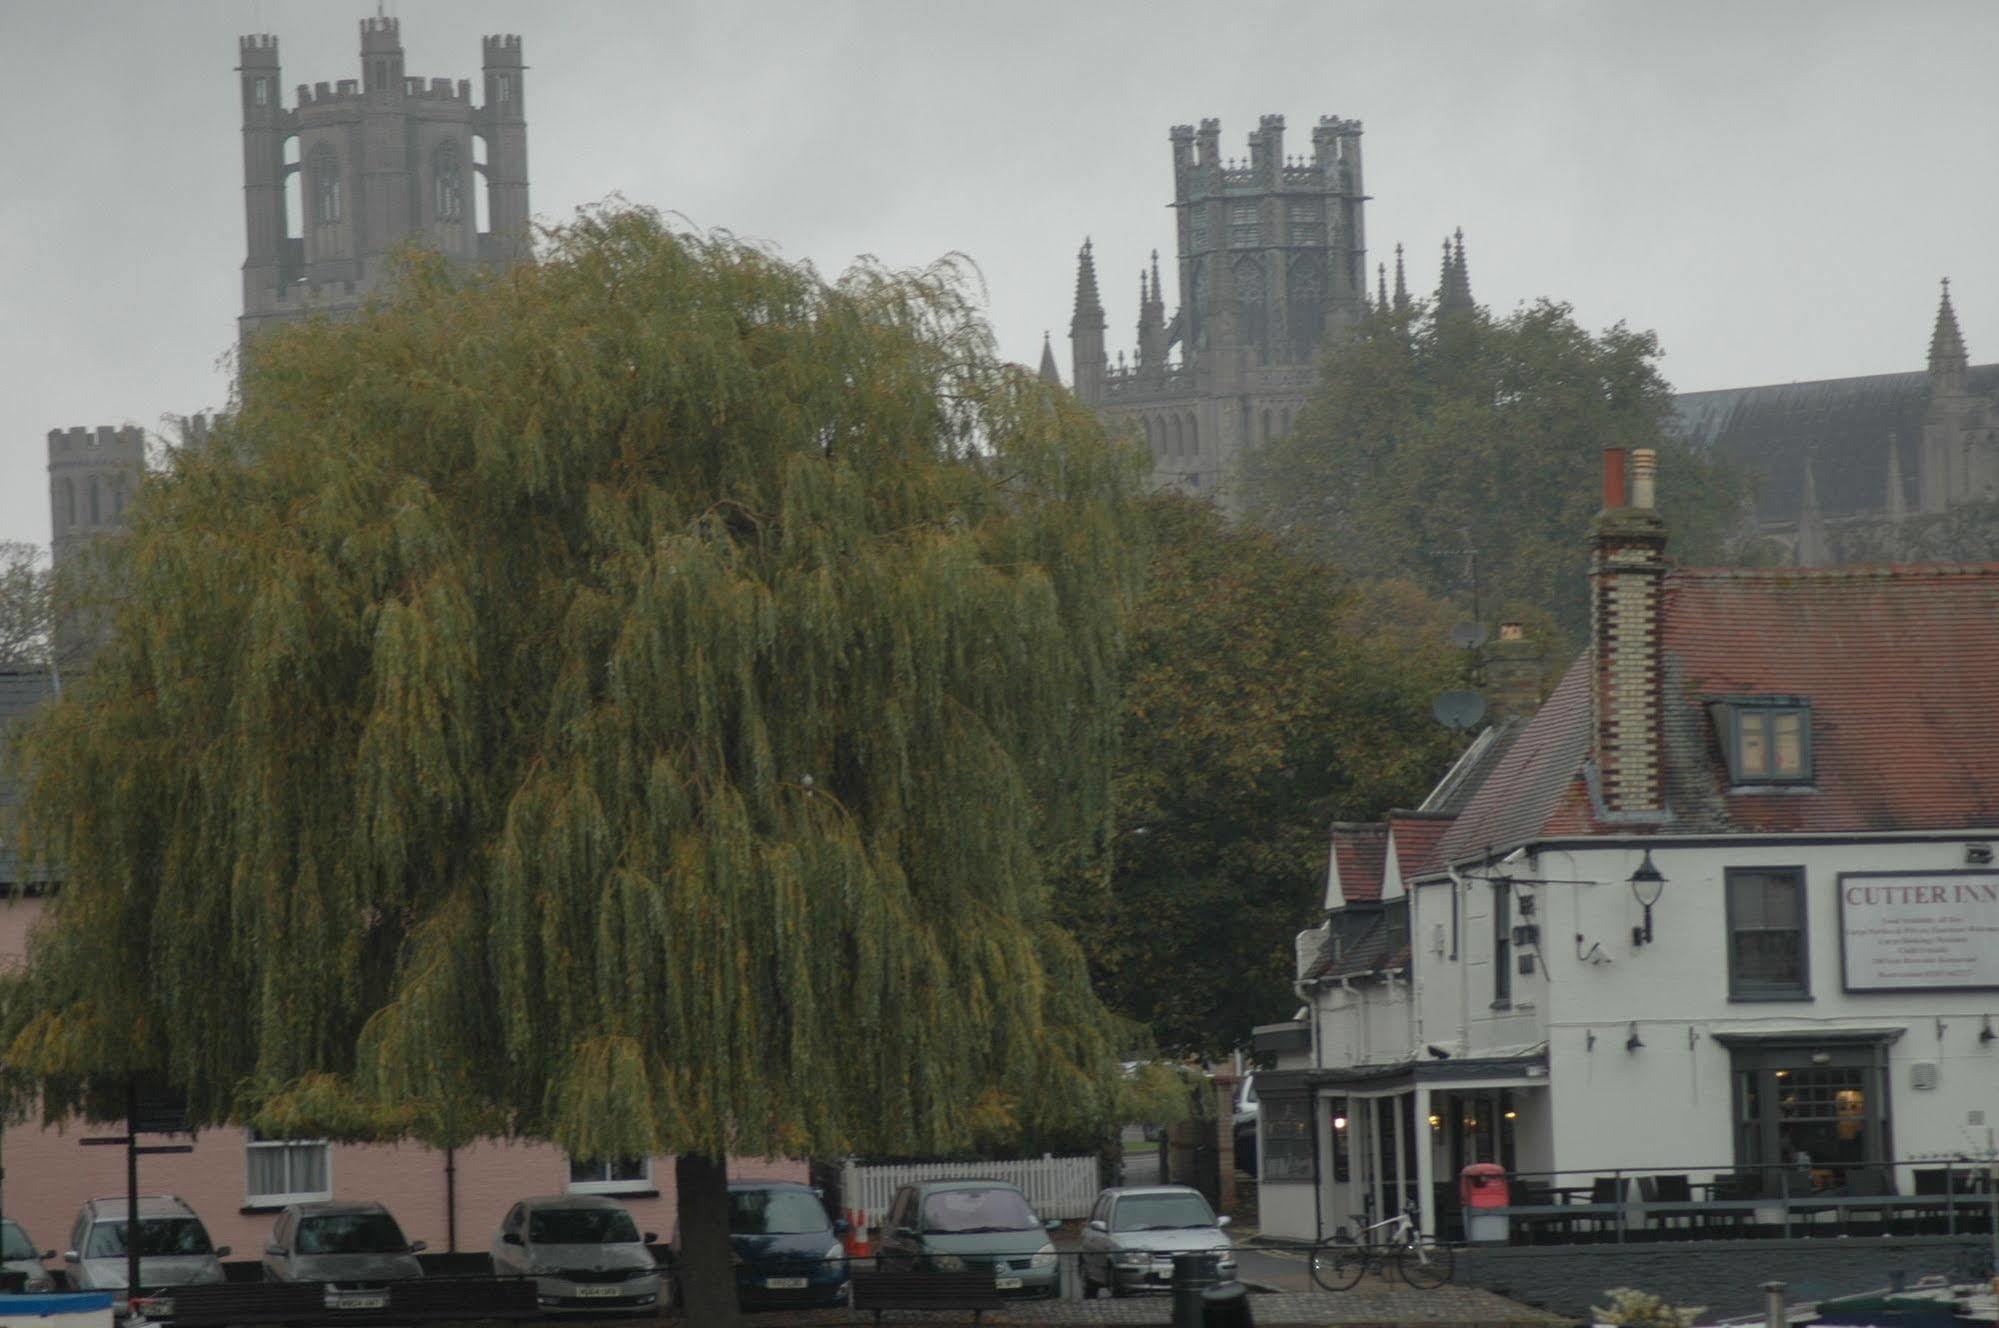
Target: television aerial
[[1468, 635]]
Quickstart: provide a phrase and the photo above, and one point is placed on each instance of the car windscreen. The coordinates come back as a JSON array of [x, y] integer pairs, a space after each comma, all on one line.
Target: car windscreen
[[775, 1213], [351, 1233], [961, 1212], [158, 1237], [1161, 1212], [581, 1226], [14, 1242]]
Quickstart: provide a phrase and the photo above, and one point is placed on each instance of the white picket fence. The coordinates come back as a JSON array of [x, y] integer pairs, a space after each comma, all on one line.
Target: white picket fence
[[1063, 1187]]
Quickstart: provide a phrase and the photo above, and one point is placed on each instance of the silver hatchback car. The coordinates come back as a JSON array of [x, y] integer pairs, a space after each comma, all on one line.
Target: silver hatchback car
[[584, 1253], [355, 1248], [174, 1249], [1134, 1232]]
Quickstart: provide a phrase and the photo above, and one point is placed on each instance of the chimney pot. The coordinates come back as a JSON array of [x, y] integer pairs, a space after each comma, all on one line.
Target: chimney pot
[[1511, 631], [1613, 477], [1644, 470]]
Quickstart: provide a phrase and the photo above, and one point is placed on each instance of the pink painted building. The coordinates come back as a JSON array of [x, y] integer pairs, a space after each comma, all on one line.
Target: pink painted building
[[237, 1184]]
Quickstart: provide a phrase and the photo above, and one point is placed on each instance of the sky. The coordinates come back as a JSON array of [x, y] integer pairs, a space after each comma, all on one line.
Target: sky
[[1774, 188]]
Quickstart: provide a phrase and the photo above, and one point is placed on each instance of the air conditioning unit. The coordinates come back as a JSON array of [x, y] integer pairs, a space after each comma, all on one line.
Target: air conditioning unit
[[1923, 1074]]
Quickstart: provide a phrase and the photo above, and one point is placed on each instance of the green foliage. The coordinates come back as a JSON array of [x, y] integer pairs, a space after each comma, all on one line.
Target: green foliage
[[1255, 714], [25, 620], [627, 701], [1429, 437], [1631, 1308]]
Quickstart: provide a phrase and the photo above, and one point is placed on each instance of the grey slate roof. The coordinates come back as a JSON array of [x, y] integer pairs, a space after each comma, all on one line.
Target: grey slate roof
[[21, 691], [1841, 425]]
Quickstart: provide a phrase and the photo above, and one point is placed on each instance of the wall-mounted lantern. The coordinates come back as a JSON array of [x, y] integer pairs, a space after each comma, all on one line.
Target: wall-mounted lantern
[[1647, 884]]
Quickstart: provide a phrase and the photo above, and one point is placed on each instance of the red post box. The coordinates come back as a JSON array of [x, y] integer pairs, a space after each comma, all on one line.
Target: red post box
[[1483, 1185]]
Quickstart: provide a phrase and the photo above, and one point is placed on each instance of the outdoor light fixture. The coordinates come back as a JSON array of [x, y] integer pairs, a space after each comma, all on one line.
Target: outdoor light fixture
[[1436, 1122], [1513, 1115], [1589, 1039], [1985, 1033], [1634, 1042], [1646, 885], [1339, 1122]]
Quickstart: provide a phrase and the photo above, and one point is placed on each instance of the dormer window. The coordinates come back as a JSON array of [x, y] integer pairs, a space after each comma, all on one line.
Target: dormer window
[[1768, 740]]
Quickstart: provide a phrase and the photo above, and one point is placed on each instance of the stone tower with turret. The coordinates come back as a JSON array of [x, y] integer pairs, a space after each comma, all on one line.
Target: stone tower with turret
[[333, 186], [1270, 261]]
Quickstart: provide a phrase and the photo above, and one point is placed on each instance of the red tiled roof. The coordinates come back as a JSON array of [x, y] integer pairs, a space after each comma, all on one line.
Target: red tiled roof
[[1416, 837], [1900, 665], [1360, 852]]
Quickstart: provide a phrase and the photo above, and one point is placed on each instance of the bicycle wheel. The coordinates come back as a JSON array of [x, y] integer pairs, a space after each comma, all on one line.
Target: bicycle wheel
[[1425, 1263], [1338, 1267]]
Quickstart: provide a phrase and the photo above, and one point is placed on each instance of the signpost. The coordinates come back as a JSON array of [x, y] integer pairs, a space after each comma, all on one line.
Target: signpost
[[159, 1119]]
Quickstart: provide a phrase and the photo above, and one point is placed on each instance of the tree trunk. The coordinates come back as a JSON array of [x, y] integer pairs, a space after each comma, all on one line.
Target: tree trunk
[[706, 1274]]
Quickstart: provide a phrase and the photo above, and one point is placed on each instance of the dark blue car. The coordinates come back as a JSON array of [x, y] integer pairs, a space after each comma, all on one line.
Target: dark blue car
[[788, 1252]]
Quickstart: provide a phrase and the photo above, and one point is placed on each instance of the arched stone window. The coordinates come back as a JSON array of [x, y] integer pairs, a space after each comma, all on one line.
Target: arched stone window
[[1193, 434], [68, 501], [325, 185], [1179, 438], [448, 182], [96, 500], [1249, 288]]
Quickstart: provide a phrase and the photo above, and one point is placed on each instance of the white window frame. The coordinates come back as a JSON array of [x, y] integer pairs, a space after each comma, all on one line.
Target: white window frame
[[252, 1199], [642, 1184]]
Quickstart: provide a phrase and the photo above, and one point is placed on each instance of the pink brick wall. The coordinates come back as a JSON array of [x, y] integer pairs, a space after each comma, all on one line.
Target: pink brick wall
[[49, 1174]]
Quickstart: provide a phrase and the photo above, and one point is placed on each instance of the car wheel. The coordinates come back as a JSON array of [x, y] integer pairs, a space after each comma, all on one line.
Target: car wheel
[[1089, 1286]]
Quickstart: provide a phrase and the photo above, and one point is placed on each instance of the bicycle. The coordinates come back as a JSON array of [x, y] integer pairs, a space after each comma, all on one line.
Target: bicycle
[[1338, 1264]]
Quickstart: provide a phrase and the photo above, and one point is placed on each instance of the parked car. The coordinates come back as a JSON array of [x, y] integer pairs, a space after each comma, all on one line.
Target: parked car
[[944, 1225], [1246, 1113], [19, 1255], [583, 1251], [787, 1251], [174, 1249], [1134, 1232], [355, 1248]]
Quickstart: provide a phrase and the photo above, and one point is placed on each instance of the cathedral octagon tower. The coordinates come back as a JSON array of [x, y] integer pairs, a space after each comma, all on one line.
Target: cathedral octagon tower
[[357, 168], [1271, 257]]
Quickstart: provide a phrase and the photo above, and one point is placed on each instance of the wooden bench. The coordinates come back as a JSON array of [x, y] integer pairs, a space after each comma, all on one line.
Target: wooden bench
[[227, 1304], [878, 1291]]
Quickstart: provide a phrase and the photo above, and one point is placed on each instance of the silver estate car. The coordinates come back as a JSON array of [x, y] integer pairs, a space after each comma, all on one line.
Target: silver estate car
[[1134, 1232], [355, 1248], [174, 1249], [583, 1251]]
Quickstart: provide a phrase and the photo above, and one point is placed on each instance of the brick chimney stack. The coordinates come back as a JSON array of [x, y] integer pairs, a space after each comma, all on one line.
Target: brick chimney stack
[[1627, 565], [1513, 674]]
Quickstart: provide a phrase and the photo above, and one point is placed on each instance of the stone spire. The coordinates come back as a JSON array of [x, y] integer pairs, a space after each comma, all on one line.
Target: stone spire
[[1813, 550], [1401, 285], [1947, 358], [1381, 276], [1049, 373], [1454, 284], [1086, 331], [1151, 323]]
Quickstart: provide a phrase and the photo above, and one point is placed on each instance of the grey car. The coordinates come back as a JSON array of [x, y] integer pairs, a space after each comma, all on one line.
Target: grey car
[[1133, 1233], [583, 1251], [948, 1225], [174, 1249], [356, 1249], [20, 1256]]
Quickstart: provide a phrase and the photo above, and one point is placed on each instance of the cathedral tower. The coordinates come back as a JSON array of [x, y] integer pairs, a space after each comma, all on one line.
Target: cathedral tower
[[1271, 260], [333, 186]]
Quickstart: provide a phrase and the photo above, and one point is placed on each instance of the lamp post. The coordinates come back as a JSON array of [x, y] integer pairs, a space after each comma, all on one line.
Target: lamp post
[[1647, 884]]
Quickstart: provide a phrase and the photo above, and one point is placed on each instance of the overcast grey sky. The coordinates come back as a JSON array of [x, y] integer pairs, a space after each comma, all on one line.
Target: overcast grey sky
[[1774, 188]]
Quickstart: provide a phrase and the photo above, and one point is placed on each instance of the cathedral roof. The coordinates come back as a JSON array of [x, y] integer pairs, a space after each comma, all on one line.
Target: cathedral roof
[[1842, 425]]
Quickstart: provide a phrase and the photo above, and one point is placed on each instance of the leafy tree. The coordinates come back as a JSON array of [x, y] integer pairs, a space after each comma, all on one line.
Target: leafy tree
[[1255, 714], [626, 701], [24, 604], [1430, 437]]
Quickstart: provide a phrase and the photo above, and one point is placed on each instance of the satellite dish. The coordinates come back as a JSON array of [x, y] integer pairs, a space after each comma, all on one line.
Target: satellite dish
[[1468, 635], [1458, 709]]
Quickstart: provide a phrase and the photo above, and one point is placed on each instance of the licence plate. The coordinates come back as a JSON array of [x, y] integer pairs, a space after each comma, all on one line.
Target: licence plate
[[358, 1300], [594, 1292], [1006, 1284], [784, 1284]]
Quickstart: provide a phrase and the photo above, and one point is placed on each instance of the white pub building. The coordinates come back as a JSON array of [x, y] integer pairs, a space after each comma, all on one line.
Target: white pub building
[[1719, 918]]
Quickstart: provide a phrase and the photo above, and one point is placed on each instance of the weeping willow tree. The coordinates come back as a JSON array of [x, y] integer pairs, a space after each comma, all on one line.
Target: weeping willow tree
[[627, 701]]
